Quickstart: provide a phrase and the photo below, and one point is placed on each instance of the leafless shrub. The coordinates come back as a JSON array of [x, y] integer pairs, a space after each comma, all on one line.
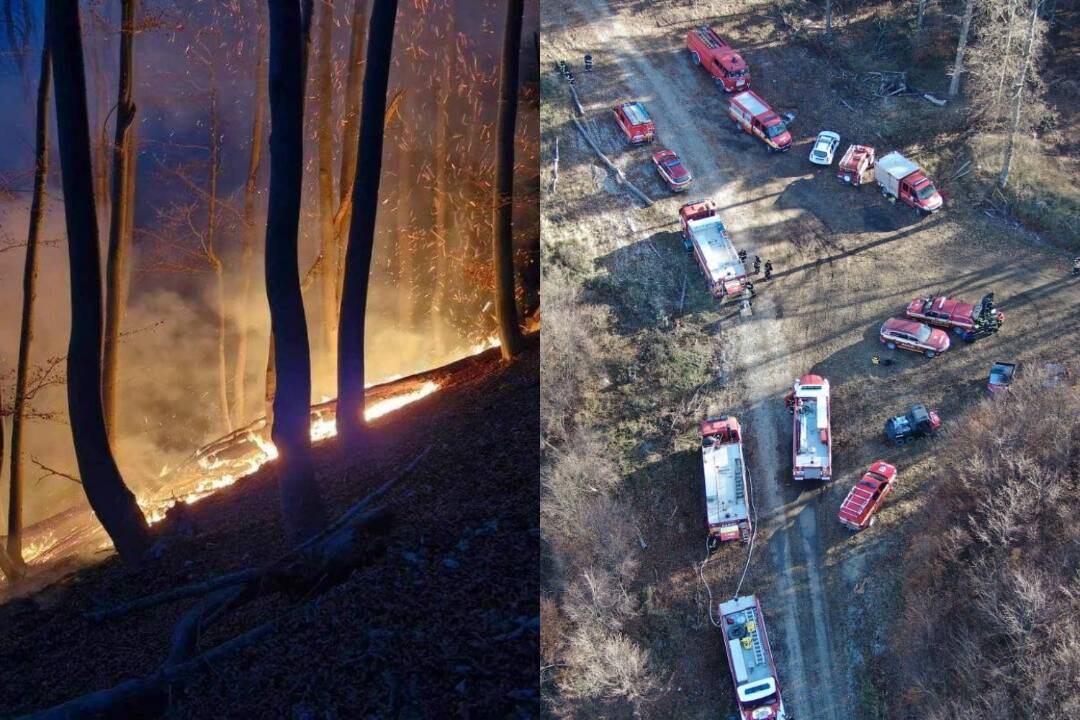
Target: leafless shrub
[[992, 598], [608, 666]]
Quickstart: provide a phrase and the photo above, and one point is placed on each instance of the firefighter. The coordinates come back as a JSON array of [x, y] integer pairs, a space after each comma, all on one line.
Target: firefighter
[[789, 401], [757, 264], [742, 256], [1076, 265], [588, 62], [768, 269], [750, 289]]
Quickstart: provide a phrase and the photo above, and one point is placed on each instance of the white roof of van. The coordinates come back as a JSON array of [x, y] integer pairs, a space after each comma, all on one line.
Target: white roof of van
[[716, 249], [725, 500], [897, 165]]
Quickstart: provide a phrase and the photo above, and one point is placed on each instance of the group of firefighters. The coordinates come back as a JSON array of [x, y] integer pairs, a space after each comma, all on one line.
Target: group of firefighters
[[748, 291]]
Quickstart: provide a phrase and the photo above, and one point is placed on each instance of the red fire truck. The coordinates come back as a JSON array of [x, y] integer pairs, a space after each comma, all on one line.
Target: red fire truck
[[865, 499], [811, 449], [902, 180], [754, 116], [726, 66], [706, 236], [856, 162], [726, 510], [750, 659]]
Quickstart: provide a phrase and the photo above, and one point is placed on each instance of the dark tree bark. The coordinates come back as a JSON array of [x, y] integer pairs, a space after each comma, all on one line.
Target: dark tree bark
[[112, 502], [7, 566], [327, 209], [218, 267], [247, 253], [122, 220], [26, 332], [502, 221], [301, 504], [365, 201], [350, 136]]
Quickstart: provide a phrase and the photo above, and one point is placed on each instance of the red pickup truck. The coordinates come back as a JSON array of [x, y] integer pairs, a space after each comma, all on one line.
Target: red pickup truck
[[863, 501], [726, 65]]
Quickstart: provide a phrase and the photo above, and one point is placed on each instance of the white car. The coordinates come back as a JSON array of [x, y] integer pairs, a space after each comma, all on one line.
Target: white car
[[824, 148]]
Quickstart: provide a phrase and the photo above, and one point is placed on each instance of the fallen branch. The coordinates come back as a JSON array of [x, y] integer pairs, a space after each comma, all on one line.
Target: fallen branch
[[49, 472], [931, 98], [611, 166], [555, 167], [577, 102], [682, 295]]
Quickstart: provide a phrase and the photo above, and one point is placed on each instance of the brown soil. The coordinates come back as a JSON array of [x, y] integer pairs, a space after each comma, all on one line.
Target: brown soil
[[420, 633], [845, 261]]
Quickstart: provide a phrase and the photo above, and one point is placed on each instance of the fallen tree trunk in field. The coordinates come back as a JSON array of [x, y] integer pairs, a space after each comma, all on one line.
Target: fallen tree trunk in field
[[619, 175]]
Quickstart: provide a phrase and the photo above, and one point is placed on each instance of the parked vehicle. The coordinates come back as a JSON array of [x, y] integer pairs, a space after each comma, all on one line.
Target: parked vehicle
[[635, 122], [969, 321], [750, 659], [709, 50], [672, 170], [753, 115], [901, 180], [867, 496], [1001, 377], [707, 238], [726, 504], [811, 449], [915, 336], [824, 148], [856, 162], [915, 423]]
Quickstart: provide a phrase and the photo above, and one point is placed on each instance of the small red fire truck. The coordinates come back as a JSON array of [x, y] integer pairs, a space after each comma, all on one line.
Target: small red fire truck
[[750, 659], [857, 160], [754, 116], [706, 236], [710, 51], [726, 506]]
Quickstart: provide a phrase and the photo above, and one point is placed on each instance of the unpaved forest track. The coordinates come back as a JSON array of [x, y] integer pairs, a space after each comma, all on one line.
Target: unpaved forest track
[[798, 598]]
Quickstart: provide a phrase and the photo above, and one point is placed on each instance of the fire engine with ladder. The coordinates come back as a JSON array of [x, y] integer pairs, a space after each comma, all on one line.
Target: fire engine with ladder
[[812, 428], [757, 688], [704, 234], [726, 483]]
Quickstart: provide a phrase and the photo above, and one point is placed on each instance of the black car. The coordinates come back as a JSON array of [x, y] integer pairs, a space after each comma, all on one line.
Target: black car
[[916, 422]]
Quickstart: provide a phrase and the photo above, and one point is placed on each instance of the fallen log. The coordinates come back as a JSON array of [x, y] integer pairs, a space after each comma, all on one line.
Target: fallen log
[[555, 167], [611, 166]]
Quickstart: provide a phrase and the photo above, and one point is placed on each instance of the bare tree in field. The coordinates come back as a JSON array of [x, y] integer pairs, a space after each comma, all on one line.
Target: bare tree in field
[[302, 506], [122, 220], [112, 502], [26, 328], [365, 202], [1030, 45], [505, 302], [248, 229], [961, 46]]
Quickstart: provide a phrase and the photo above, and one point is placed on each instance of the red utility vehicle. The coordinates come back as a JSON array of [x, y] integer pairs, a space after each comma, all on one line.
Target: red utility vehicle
[[750, 659], [754, 116], [911, 335], [811, 449], [635, 123], [706, 236], [857, 161], [862, 503], [902, 180], [726, 66], [950, 313], [672, 170], [726, 505]]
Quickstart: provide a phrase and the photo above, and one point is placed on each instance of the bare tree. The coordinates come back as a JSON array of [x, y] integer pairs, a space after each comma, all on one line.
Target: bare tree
[[961, 45], [26, 327], [365, 201], [248, 230], [441, 192], [112, 502], [828, 18], [327, 208], [290, 28], [1018, 92], [502, 221], [920, 14], [122, 220]]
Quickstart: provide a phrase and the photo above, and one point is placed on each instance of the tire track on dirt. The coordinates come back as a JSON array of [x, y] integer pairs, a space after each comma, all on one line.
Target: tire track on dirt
[[792, 532]]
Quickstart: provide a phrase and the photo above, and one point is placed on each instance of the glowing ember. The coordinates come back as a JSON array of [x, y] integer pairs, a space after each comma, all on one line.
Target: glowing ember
[[322, 427]]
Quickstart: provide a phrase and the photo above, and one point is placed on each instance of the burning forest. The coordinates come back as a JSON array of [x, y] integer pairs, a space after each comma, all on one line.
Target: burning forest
[[247, 248]]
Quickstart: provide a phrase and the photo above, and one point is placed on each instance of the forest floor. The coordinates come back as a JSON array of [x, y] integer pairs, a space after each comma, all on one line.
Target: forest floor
[[844, 261], [444, 626]]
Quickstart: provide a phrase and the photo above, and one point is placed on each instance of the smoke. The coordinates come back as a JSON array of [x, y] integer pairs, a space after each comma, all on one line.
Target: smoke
[[169, 392]]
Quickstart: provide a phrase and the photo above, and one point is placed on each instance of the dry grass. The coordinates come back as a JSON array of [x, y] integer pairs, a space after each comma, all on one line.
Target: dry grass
[[993, 595]]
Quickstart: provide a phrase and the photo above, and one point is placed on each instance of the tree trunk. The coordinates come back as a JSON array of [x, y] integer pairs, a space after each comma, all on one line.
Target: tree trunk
[[247, 253], [350, 136], [502, 220], [7, 565], [442, 201], [112, 502], [302, 506], [350, 369], [327, 208], [26, 332], [1005, 59], [402, 243], [212, 255], [961, 45], [1006, 162], [919, 23], [828, 19], [122, 220]]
